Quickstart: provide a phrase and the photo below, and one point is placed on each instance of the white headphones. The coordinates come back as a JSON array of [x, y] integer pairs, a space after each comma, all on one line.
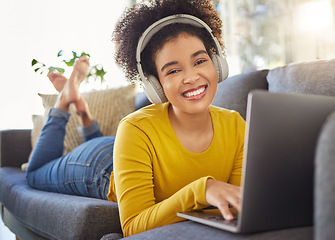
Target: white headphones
[[151, 84]]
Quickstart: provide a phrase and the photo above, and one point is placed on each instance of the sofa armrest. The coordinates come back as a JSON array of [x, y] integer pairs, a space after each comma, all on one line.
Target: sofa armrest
[[15, 147], [324, 186]]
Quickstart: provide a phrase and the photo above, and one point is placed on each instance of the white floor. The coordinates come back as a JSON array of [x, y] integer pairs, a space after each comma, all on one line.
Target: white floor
[[5, 233]]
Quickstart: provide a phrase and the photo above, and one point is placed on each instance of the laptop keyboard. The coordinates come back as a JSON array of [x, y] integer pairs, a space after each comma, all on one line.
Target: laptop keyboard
[[221, 219]]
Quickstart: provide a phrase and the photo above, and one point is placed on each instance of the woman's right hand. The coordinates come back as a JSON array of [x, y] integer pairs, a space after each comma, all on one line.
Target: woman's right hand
[[221, 195]]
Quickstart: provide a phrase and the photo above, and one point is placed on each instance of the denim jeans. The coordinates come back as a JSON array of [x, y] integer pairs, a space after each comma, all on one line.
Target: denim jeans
[[84, 171]]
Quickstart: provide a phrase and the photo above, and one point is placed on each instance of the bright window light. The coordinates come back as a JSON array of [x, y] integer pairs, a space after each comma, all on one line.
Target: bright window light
[[315, 15]]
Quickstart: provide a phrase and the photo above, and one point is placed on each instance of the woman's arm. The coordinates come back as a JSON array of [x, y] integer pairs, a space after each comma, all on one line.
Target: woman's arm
[[221, 194]]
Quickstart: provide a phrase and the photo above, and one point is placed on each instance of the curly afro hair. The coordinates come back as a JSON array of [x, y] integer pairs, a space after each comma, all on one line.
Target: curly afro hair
[[139, 17]]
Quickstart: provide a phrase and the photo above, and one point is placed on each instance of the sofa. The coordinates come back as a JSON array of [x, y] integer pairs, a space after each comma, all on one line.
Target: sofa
[[34, 214]]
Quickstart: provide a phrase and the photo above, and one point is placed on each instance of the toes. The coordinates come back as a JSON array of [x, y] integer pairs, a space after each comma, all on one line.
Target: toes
[[52, 76]]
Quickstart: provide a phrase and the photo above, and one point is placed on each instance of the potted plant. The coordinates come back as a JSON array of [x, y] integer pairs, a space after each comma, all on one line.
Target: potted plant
[[96, 72]]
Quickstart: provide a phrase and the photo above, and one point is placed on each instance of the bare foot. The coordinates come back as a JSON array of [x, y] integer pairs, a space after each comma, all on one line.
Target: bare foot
[[70, 92], [58, 80]]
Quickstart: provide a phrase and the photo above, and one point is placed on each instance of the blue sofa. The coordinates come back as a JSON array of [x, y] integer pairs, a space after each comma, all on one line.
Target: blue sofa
[[33, 214]]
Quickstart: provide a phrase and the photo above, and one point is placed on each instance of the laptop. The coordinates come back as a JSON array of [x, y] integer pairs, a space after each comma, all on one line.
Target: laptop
[[278, 170]]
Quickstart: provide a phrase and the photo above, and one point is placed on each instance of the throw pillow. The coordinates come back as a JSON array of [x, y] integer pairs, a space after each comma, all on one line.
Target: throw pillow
[[38, 122], [314, 77], [107, 107], [35, 133]]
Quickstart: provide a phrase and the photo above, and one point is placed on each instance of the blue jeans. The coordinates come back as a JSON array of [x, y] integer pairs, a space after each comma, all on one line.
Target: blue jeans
[[84, 171]]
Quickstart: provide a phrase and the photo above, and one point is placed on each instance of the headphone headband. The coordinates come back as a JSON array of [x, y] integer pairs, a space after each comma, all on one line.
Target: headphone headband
[[157, 26]]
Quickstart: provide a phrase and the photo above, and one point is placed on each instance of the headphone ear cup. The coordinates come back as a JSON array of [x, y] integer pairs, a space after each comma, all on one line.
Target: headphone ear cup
[[154, 90], [221, 66]]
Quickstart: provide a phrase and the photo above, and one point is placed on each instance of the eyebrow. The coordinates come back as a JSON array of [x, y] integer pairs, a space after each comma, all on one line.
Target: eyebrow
[[168, 64], [199, 52], [175, 62]]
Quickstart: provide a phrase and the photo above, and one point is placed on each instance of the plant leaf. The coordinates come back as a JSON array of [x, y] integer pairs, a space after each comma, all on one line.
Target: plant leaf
[[33, 62], [100, 72], [60, 53], [70, 62], [85, 54], [61, 70], [74, 55], [51, 69], [58, 69]]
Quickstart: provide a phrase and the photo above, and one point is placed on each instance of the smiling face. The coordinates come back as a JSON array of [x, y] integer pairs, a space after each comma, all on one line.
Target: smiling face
[[187, 74]]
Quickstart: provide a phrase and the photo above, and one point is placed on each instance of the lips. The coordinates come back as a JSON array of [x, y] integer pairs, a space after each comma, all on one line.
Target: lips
[[194, 92]]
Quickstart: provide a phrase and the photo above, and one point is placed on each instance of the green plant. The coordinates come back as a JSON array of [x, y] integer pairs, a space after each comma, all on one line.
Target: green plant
[[96, 72]]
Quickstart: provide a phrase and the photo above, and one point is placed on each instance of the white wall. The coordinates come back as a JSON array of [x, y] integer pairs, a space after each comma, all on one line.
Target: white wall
[[39, 29]]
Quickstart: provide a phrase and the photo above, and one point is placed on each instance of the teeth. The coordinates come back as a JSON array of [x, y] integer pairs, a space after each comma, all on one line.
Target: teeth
[[194, 93]]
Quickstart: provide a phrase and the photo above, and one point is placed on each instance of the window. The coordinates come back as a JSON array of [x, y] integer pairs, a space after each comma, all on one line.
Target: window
[[270, 33], [39, 29]]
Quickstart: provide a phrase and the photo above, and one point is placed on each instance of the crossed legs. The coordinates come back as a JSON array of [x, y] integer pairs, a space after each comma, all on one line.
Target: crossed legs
[[79, 171]]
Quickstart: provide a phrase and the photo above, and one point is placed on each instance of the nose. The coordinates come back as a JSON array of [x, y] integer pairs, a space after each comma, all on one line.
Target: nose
[[191, 76]]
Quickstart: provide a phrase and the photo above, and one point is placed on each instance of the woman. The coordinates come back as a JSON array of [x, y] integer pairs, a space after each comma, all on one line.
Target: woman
[[182, 154], [179, 155]]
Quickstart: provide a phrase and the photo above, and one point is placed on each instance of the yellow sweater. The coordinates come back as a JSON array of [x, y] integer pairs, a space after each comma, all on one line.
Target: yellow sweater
[[156, 177]]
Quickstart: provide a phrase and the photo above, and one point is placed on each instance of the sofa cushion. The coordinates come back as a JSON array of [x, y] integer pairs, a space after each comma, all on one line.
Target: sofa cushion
[[53, 215], [195, 231], [141, 100], [233, 92], [38, 122], [314, 77]]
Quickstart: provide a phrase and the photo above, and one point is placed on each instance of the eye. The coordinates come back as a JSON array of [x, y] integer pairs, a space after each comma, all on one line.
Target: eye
[[173, 71], [200, 61]]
